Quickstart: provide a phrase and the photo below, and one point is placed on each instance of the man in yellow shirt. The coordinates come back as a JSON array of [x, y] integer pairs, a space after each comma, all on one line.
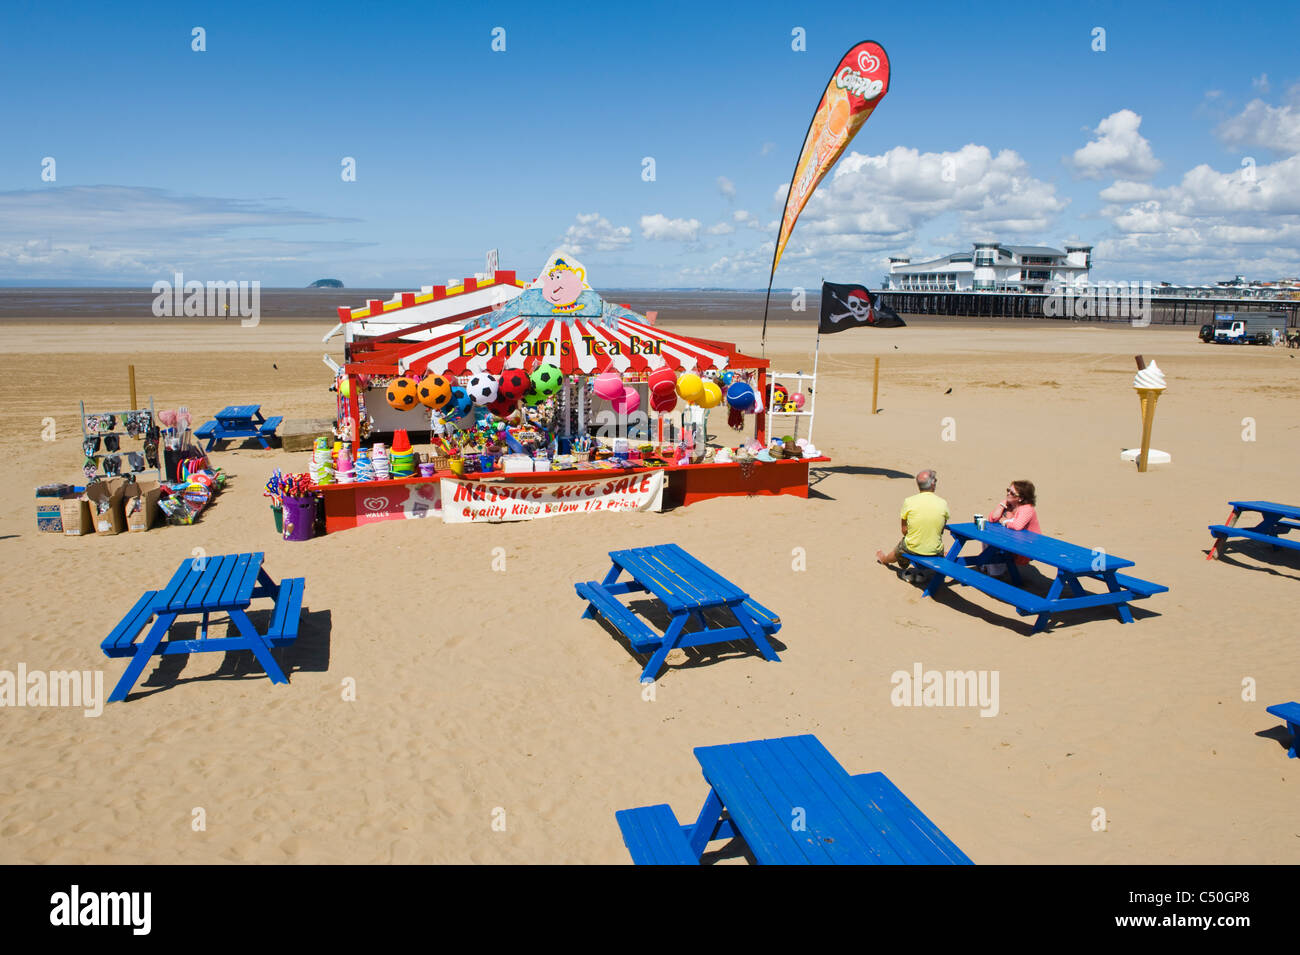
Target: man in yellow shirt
[[923, 516]]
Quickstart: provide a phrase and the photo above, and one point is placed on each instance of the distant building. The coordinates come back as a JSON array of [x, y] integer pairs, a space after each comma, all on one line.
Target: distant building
[[993, 267]]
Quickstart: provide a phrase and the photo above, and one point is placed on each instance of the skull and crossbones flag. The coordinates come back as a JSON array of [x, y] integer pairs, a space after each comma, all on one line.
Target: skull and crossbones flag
[[853, 306]]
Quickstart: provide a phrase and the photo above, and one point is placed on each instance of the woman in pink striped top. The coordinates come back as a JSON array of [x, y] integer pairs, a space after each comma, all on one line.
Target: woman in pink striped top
[[1015, 512]]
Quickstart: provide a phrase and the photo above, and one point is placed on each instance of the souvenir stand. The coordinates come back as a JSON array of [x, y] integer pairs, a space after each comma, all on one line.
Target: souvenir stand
[[558, 348], [104, 454]]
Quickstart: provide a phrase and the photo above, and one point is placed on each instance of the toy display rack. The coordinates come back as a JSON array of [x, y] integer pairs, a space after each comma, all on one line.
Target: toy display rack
[[809, 393], [121, 418]]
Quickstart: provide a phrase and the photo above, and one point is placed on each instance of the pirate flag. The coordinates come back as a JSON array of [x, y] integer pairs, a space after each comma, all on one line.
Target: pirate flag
[[853, 306]]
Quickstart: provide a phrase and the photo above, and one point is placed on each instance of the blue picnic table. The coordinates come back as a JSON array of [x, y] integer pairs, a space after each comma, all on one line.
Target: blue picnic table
[[688, 589], [239, 421], [1071, 562], [206, 587], [1276, 520], [792, 803], [1289, 713]]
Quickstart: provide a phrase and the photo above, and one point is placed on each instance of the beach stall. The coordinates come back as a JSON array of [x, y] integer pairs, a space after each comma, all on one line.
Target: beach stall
[[547, 400]]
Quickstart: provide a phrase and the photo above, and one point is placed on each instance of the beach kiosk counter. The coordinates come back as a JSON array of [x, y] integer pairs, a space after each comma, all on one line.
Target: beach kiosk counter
[[492, 323]]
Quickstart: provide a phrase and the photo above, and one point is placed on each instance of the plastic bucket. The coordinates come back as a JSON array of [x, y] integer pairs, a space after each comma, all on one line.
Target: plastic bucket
[[299, 518], [278, 511]]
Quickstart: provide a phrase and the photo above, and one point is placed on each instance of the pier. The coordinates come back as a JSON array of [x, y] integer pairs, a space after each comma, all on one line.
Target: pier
[[1165, 310]]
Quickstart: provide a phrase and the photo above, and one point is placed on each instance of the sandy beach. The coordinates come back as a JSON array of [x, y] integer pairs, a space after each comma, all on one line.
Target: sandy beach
[[482, 697]]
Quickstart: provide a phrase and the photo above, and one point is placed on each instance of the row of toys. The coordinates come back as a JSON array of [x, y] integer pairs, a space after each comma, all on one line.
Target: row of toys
[[500, 394]]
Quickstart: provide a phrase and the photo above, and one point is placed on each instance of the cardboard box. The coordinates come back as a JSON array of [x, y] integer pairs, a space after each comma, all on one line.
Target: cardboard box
[[48, 515], [140, 504], [74, 515], [105, 499]]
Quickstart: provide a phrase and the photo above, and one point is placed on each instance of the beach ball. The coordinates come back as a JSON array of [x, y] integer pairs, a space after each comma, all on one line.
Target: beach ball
[[798, 400], [547, 380], [628, 402], [434, 392], [501, 407], [690, 387], [401, 393], [740, 396], [514, 385], [662, 380], [482, 388], [461, 403], [345, 387], [712, 395], [663, 402], [608, 386]]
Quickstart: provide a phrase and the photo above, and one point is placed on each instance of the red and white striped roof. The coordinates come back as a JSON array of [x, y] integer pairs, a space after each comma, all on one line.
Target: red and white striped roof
[[576, 346]]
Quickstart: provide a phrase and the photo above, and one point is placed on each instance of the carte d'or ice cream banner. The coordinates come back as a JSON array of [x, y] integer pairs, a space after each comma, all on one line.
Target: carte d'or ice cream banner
[[487, 502], [856, 87]]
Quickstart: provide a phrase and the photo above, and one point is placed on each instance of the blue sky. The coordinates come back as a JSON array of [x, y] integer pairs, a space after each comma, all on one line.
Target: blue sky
[[226, 163]]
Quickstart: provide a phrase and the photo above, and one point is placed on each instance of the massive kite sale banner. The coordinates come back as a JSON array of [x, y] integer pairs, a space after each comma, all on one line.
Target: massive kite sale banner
[[489, 502]]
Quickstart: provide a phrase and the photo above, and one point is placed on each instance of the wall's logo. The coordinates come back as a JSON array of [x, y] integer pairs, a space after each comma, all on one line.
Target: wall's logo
[[868, 62], [376, 504], [857, 84]]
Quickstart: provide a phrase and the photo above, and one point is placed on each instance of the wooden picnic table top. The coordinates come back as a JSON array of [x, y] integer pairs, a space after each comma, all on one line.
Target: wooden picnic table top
[[204, 585], [1268, 507], [767, 785], [679, 580], [1060, 554], [238, 412]]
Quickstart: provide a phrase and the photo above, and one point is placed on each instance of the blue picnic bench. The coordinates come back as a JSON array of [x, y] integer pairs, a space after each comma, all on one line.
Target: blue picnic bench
[[1276, 520], [1072, 563], [688, 589], [206, 587], [791, 802], [1289, 713], [239, 421]]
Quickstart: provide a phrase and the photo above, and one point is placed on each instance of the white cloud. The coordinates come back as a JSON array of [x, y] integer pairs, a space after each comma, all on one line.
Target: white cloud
[[1209, 225], [727, 187], [1119, 150], [1123, 190], [767, 148], [1260, 82], [660, 227], [720, 228], [878, 202], [1276, 128], [748, 265], [134, 232], [592, 231]]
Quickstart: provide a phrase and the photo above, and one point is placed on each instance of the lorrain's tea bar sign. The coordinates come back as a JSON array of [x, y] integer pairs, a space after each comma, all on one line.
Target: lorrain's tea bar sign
[[546, 348]]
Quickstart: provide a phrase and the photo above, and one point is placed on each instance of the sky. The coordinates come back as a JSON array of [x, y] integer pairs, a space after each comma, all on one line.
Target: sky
[[1168, 137]]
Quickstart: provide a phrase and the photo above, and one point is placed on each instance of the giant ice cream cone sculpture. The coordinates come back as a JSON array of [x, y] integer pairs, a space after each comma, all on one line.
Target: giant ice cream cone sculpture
[[1149, 382]]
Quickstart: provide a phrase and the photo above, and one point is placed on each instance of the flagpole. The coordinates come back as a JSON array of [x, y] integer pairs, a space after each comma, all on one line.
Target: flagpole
[[817, 353], [812, 413]]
